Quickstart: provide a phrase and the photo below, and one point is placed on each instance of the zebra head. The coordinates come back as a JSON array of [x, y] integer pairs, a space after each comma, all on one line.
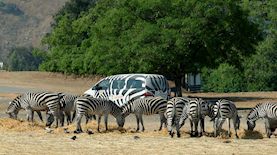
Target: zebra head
[[120, 120], [251, 125], [253, 116], [12, 110], [127, 108], [49, 118]]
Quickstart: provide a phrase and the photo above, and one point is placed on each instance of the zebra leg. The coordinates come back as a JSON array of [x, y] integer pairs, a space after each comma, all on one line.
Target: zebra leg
[[106, 122], [73, 115], [229, 126], [215, 127], [191, 128], [39, 115], [267, 128], [87, 118], [62, 118], [235, 127], [68, 117], [201, 127], [162, 118], [141, 121], [220, 123], [196, 134], [169, 126], [178, 129], [94, 117], [137, 122], [30, 115], [99, 120], [78, 124]]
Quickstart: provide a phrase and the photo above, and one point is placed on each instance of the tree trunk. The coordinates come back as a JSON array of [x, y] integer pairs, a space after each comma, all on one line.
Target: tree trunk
[[178, 85]]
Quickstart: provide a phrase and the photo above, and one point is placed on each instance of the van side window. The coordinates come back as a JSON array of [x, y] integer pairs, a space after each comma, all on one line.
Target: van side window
[[103, 85], [134, 84], [118, 84]]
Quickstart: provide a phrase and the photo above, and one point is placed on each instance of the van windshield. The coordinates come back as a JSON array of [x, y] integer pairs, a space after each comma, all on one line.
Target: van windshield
[[132, 83], [118, 84]]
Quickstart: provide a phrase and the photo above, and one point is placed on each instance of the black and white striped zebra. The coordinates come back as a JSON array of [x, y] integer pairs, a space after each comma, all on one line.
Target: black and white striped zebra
[[266, 111], [96, 106], [176, 113], [146, 106], [67, 107], [40, 101], [225, 109], [196, 115]]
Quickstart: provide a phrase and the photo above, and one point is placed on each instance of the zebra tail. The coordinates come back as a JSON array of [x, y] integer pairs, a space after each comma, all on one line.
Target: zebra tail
[[217, 113]]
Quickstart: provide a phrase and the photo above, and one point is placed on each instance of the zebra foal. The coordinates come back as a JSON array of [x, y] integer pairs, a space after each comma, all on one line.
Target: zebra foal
[[176, 113], [88, 105], [225, 109], [146, 106], [266, 111]]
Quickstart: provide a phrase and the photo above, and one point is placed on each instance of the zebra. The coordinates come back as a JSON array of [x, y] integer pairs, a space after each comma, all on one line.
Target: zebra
[[146, 106], [267, 111], [176, 109], [39, 101], [90, 105], [196, 114], [68, 106], [225, 109]]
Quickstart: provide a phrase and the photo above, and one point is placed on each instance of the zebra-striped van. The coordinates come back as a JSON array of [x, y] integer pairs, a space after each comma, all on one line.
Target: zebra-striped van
[[124, 87]]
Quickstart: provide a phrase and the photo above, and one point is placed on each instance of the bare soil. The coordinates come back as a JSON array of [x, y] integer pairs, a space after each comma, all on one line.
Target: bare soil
[[21, 137]]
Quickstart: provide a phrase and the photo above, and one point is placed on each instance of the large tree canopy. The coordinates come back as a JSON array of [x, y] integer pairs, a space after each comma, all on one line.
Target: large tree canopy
[[170, 37]]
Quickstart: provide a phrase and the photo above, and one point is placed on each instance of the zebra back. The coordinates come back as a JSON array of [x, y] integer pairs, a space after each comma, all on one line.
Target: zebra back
[[146, 106], [195, 108], [262, 110], [176, 111], [97, 106], [224, 109]]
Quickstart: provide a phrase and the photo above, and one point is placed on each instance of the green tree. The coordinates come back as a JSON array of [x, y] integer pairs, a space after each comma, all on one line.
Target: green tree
[[225, 78], [260, 69], [170, 37], [22, 59]]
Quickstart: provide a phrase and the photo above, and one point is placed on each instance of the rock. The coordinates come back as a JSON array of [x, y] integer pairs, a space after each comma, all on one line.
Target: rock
[[90, 132], [73, 138], [136, 137]]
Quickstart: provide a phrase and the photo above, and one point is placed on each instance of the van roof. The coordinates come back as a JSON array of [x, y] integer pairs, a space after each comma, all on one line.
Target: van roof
[[134, 74]]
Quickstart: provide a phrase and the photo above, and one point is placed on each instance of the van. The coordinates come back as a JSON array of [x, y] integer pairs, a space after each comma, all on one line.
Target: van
[[124, 87]]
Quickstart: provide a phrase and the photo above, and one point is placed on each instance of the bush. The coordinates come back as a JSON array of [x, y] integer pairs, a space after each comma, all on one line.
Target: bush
[[225, 78]]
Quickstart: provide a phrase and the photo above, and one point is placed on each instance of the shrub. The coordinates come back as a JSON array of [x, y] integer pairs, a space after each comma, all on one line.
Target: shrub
[[225, 78]]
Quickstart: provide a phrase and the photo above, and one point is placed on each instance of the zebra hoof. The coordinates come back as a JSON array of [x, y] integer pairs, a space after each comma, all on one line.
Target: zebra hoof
[[78, 131], [171, 134], [178, 135]]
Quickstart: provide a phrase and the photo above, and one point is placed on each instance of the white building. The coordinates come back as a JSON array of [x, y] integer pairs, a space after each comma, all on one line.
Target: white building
[[193, 82], [1, 65]]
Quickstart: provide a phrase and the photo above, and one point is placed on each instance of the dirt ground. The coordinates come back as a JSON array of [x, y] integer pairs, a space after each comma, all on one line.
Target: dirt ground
[[21, 137]]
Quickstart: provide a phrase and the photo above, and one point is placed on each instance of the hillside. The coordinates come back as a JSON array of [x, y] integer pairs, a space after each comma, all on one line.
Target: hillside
[[25, 22]]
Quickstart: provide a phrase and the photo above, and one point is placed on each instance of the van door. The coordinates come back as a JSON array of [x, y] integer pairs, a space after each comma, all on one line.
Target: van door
[[117, 91], [158, 85]]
